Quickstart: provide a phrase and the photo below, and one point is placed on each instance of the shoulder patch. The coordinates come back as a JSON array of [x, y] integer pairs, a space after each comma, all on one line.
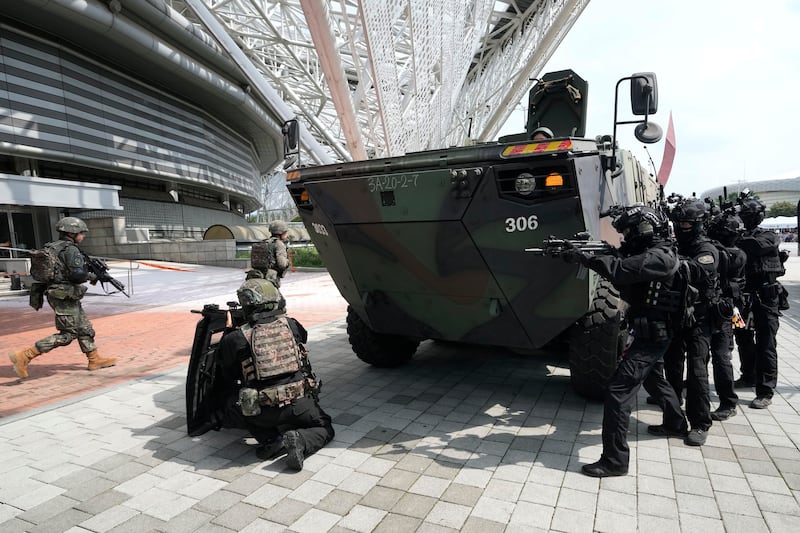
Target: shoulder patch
[[707, 259]]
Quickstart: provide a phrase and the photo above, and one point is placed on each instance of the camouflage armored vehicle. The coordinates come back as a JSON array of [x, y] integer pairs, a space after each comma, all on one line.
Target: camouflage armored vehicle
[[430, 245]]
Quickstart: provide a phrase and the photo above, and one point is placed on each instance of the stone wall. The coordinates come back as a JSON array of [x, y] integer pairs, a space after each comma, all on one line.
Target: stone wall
[[107, 238]]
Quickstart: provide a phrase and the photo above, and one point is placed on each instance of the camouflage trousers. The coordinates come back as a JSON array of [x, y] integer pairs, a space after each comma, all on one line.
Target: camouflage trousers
[[71, 323]]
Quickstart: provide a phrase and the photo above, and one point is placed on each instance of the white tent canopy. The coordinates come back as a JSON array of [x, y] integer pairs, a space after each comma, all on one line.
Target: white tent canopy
[[779, 223]]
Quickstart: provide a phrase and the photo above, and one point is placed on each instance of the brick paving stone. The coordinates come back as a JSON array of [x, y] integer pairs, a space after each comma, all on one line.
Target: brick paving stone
[[657, 506], [292, 480], [767, 483], [447, 514], [610, 522], [697, 505], [383, 498], [44, 511], [527, 514], [693, 485], [492, 509], [572, 521], [311, 491], [315, 521], [777, 503], [476, 524], [396, 523], [398, 479], [744, 524], [414, 505], [363, 519], [734, 484], [286, 511]]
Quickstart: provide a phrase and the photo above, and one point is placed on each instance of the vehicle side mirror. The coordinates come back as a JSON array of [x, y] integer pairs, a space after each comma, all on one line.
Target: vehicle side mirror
[[290, 132], [648, 132], [644, 93]]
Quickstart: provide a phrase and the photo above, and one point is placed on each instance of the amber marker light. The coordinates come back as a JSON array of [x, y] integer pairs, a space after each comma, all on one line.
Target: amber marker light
[[304, 196], [554, 179], [293, 175]]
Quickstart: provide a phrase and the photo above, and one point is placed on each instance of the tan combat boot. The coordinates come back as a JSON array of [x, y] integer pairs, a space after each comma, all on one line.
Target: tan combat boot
[[96, 362], [21, 359]]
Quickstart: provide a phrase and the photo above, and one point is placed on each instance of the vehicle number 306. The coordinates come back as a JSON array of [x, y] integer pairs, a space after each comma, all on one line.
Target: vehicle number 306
[[528, 223], [319, 228]]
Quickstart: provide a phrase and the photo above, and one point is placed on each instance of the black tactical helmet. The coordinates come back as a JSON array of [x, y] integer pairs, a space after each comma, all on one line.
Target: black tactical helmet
[[726, 228], [752, 212], [71, 225], [258, 294], [639, 224], [689, 210]]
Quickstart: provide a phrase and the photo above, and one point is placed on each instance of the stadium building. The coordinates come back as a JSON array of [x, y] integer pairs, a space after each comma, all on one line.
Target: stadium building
[[132, 119]]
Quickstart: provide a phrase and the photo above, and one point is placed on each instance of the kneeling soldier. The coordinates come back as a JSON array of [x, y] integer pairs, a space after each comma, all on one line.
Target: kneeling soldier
[[273, 391]]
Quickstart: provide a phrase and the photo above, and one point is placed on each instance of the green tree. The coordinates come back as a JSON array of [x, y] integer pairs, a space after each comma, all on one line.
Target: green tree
[[782, 209]]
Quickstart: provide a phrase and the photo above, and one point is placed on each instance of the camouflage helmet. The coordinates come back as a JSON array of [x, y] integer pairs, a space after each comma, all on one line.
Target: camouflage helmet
[[71, 225], [752, 212], [547, 132], [278, 227], [258, 294]]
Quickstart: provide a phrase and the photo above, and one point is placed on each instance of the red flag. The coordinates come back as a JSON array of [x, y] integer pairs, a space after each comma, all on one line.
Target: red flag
[[669, 154]]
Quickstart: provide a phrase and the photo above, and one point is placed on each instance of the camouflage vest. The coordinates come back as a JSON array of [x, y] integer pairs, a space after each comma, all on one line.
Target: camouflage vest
[[275, 351]]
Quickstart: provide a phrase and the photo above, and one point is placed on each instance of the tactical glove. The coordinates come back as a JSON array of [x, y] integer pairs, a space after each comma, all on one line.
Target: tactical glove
[[575, 256]]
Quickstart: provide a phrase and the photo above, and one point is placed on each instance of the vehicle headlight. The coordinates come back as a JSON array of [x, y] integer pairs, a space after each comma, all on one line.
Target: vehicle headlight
[[525, 184]]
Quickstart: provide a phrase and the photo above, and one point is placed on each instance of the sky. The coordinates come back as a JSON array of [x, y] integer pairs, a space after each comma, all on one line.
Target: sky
[[728, 70]]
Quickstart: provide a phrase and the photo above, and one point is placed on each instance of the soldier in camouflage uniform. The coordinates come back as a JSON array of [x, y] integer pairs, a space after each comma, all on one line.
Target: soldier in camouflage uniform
[[269, 387], [64, 296], [270, 258]]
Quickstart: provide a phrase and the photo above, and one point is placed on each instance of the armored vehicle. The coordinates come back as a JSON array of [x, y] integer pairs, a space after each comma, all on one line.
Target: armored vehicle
[[430, 245]]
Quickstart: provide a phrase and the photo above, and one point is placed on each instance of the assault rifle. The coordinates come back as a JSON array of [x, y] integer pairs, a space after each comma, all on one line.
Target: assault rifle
[[554, 247], [99, 268]]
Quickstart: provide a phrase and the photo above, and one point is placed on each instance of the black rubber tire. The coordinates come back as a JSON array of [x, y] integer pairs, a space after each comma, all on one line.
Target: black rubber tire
[[378, 349], [596, 342]]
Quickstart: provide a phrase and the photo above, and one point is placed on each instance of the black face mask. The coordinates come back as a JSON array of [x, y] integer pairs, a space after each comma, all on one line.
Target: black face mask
[[688, 234], [750, 220]]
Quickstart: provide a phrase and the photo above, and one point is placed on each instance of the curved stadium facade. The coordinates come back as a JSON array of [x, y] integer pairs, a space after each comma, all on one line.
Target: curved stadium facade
[[129, 118]]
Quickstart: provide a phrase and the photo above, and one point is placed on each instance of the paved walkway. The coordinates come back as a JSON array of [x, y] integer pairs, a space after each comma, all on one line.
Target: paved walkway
[[462, 438]]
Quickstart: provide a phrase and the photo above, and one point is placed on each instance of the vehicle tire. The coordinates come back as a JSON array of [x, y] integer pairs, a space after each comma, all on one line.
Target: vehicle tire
[[378, 349], [596, 342]]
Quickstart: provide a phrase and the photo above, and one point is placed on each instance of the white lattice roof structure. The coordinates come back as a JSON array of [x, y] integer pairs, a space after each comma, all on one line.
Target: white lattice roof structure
[[374, 78]]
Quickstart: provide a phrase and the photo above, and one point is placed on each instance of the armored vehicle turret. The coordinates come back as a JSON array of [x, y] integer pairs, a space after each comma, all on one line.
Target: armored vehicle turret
[[430, 245]]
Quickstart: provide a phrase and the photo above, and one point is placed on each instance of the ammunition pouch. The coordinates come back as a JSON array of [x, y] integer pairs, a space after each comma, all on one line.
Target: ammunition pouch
[[769, 292], [36, 296], [66, 291], [646, 329], [282, 395]]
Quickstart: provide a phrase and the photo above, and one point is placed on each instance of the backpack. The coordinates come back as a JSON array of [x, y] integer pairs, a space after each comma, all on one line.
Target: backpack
[[262, 255], [46, 265]]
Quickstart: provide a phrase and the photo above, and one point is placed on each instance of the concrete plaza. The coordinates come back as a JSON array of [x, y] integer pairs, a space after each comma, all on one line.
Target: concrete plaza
[[462, 438]]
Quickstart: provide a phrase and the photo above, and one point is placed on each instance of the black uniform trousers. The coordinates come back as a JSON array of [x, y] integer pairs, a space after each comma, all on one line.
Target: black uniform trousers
[[721, 348], [691, 348], [635, 369], [303, 415], [758, 352]]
